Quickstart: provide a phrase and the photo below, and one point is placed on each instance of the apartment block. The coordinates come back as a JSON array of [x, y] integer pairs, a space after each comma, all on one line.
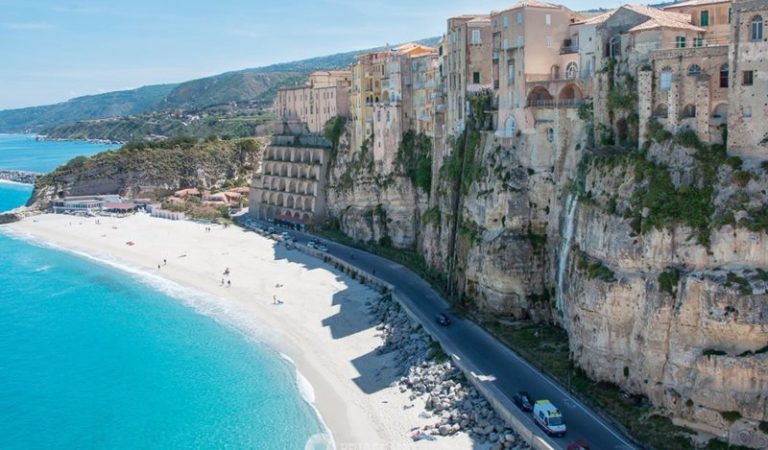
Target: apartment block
[[325, 96]]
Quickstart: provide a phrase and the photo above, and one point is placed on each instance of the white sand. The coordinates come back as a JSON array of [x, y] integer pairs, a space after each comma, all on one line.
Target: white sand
[[322, 325]]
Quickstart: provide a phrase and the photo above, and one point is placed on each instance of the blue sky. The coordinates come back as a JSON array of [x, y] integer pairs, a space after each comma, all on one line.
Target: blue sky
[[51, 50]]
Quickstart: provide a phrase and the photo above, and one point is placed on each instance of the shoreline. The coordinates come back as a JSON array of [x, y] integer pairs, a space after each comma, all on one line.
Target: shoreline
[[332, 353]]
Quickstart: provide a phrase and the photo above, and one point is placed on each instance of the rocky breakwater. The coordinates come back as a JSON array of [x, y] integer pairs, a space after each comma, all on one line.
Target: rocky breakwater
[[19, 176], [428, 374]]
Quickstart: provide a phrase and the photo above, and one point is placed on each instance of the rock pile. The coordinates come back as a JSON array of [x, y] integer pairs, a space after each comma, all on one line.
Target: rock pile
[[428, 373]]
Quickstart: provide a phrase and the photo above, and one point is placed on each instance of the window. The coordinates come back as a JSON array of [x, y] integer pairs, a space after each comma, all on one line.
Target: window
[[548, 41], [476, 37], [511, 73], [614, 46], [694, 69], [666, 79], [730, 14], [510, 126], [506, 44], [519, 18], [680, 42], [749, 77], [505, 21], [519, 41], [476, 77], [551, 134], [724, 76], [757, 28], [548, 19], [698, 42], [689, 111], [746, 112], [704, 20], [571, 71]]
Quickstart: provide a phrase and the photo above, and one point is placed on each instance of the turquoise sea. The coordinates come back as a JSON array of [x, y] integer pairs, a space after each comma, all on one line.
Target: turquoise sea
[[93, 357]]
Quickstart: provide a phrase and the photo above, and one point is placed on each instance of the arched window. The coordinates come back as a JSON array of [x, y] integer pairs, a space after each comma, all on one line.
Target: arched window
[[555, 72], [571, 71], [665, 81], [694, 70], [724, 76], [660, 111], [614, 46], [756, 29], [510, 126], [689, 111]]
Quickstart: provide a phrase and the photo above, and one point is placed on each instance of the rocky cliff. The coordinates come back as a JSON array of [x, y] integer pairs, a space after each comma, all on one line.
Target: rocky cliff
[[666, 286], [654, 261], [151, 169]]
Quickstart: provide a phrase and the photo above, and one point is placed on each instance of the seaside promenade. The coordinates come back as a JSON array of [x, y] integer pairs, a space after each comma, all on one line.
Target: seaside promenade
[[501, 370]]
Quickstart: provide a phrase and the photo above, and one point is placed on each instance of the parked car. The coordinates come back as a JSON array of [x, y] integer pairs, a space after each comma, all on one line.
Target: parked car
[[322, 248], [442, 320], [523, 400], [578, 445], [549, 418]]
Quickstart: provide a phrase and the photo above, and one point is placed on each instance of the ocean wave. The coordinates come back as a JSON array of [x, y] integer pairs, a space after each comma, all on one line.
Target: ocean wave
[[203, 303], [16, 183]]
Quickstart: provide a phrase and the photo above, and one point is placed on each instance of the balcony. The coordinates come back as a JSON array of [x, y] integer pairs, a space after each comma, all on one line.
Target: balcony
[[569, 49]]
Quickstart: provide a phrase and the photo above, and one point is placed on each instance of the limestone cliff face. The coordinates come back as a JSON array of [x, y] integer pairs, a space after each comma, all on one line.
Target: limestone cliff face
[[502, 248], [372, 201], [670, 302]]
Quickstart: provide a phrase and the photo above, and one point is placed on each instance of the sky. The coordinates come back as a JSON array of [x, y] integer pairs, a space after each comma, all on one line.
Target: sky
[[54, 50]]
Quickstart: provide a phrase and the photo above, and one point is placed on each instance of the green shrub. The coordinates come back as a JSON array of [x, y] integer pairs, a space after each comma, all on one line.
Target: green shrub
[[432, 215], [668, 281], [731, 416], [656, 131], [688, 138], [742, 177]]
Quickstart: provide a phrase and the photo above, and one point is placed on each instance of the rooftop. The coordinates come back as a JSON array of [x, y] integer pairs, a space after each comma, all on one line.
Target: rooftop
[[689, 3]]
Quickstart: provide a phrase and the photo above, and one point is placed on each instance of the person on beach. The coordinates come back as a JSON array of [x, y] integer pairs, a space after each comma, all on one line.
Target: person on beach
[[222, 281], [274, 299], [158, 267], [229, 283], [165, 262], [226, 272]]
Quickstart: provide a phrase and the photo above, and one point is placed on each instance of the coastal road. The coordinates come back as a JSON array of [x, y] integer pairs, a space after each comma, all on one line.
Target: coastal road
[[496, 363]]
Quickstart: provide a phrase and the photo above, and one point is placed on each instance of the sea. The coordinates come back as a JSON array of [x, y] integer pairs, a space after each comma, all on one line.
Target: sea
[[93, 356]]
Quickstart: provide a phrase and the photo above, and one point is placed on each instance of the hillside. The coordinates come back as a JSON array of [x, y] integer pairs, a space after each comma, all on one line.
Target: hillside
[[231, 92], [157, 125], [111, 104], [152, 169]]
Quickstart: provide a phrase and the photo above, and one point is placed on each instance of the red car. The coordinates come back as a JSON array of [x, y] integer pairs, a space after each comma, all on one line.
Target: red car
[[578, 445]]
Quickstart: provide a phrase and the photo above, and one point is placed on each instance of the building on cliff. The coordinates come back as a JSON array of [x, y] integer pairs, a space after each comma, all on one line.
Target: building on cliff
[[467, 65], [748, 67], [291, 185], [325, 96], [535, 64]]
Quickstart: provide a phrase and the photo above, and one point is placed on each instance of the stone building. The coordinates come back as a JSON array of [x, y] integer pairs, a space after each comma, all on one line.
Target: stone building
[[534, 63], [325, 96], [748, 70], [467, 66], [714, 16], [291, 185]]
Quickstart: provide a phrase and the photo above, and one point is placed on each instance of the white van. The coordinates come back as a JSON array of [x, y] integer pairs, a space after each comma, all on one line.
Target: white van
[[549, 418]]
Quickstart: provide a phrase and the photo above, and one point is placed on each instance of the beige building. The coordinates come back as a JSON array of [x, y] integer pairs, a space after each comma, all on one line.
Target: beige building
[[325, 96], [534, 63], [291, 185], [467, 65], [748, 74], [713, 16]]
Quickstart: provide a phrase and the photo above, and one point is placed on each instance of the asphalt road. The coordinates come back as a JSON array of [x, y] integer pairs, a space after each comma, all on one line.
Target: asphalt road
[[496, 363]]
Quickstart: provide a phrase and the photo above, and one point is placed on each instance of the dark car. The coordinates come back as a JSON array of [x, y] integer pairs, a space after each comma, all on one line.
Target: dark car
[[578, 445], [443, 320], [523, 401]]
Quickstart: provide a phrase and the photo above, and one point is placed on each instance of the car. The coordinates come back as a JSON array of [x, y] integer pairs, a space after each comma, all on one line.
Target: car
[[523, 400], [578, 445], [442, 320], [322, 248], [311, 244]]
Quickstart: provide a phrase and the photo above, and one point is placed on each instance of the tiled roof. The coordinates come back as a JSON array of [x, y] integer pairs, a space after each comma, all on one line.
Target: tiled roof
[[695, 3], [661, 19], [600, 18], [535, 4]]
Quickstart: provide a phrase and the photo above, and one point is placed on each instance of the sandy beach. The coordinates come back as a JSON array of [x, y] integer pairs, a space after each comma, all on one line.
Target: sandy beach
[[321, 324]]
